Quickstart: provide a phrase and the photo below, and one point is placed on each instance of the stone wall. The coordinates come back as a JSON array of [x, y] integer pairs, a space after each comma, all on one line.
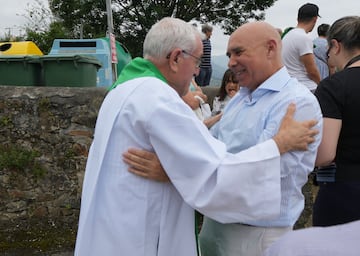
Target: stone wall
[[45, 134]]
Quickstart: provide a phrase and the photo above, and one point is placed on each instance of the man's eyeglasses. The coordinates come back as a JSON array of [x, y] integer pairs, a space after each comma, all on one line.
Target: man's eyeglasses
[[198, 60]]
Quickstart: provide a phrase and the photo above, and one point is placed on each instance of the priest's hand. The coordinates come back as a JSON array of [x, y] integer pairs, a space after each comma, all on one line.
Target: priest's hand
[[145, 164]]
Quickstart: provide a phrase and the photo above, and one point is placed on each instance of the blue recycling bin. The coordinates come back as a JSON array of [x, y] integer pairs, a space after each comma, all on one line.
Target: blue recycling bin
[[97, 47]]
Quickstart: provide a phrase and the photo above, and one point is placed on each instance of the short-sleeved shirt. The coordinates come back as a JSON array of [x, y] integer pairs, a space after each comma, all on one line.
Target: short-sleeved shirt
[[297, 43], [339, 98]]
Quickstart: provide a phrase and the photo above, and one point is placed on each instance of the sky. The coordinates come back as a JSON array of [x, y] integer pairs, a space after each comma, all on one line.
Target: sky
[[281, 15]]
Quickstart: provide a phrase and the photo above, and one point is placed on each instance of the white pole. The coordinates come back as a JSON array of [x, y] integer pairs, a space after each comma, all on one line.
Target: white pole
[[109, 34]]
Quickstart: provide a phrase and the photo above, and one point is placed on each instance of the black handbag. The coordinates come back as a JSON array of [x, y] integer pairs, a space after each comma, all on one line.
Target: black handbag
[[324, 174]]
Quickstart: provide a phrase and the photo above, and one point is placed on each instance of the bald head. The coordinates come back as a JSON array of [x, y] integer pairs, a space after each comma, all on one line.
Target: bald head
[[255, 49], [258, 31]]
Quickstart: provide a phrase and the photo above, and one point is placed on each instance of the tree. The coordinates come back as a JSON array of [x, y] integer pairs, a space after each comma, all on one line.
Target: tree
[[44, 39], [42, 27], [134, 18], [86, 17]]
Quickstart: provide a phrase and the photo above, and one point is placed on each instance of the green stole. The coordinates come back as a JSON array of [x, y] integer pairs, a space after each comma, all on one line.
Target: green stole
[[137, 68]]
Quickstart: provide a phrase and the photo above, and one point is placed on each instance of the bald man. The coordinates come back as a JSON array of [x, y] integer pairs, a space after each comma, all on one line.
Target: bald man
[[122, 214], [251, 117]]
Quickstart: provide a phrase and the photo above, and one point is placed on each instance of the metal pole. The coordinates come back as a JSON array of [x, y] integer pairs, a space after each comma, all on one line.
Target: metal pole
[[81, 29], [110, 32], [81, 22]]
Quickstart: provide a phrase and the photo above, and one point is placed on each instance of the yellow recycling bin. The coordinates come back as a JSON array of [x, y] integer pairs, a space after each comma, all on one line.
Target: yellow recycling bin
[[19, 48]]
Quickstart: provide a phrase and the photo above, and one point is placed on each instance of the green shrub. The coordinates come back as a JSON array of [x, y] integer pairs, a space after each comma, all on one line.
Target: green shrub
[[16, 158]]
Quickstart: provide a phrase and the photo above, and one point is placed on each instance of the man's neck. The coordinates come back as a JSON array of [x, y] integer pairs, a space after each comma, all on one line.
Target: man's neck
[[303, 26]]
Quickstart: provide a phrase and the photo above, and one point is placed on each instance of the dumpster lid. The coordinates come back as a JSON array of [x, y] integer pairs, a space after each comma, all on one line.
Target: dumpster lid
[[28, 58], [76, 57]]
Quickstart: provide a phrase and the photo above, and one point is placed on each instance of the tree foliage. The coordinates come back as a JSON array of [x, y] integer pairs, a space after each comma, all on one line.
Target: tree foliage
[[44, 39], [133, 18], [42, 27], [87, 17]]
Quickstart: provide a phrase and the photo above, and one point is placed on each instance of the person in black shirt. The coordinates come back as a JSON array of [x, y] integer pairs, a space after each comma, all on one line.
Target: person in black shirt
[[337, 202]]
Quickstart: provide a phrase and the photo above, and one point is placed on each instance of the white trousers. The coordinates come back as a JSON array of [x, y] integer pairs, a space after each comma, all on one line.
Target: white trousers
[[235, 239]]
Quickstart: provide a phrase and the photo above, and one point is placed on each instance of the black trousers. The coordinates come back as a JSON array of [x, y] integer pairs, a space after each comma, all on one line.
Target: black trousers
[[337, 203]]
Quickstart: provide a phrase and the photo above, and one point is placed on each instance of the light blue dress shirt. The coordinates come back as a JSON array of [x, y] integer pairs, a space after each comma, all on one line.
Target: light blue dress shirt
[[250, 118]]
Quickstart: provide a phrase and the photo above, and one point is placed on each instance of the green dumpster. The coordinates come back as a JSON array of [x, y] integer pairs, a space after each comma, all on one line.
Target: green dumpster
[[123, 55], [70, 70], [20, 70]]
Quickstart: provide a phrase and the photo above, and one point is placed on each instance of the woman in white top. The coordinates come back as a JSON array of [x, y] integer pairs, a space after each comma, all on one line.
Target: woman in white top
[[229, 87]]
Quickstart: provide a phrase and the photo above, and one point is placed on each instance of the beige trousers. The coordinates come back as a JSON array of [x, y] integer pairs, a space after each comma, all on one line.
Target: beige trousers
[[235, 239]]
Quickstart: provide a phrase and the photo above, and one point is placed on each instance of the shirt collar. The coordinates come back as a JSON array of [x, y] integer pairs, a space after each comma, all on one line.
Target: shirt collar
[[274, 83]]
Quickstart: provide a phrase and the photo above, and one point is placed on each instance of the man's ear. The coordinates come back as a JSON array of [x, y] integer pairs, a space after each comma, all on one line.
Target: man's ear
[[271, 46], [174, 58]]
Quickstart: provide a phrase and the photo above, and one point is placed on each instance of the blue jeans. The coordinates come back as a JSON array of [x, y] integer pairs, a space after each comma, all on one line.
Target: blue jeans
[[203, 79]]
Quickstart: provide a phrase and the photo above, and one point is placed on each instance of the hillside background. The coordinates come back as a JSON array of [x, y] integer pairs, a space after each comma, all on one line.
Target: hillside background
[[219, 66]]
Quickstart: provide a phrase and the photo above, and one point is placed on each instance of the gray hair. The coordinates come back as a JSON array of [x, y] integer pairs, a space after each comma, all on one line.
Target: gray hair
[[347, 31], [206, 28], [168, 34]]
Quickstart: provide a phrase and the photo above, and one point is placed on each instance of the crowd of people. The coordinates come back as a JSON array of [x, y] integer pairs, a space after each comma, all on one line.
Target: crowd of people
[[286, 105]]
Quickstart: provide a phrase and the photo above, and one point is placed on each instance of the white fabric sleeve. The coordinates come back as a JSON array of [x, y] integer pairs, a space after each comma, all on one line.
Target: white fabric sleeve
[[226, 187]]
